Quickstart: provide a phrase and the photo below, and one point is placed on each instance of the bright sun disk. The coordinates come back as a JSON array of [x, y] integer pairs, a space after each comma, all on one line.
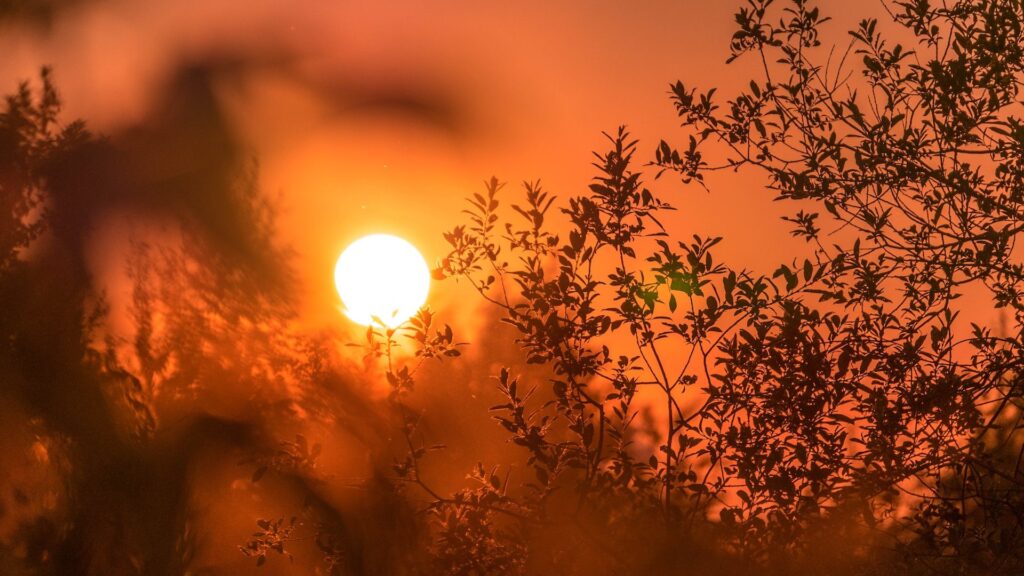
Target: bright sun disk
[[381, 276]]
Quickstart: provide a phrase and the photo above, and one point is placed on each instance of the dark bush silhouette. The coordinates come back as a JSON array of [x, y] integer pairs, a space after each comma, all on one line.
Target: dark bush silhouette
[[838, 401]]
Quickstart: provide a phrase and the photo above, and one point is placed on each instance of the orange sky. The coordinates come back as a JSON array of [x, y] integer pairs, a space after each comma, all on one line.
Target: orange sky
[[320, 92]]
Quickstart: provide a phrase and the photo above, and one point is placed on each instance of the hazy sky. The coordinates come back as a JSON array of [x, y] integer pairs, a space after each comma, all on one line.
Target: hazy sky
[[382, 116]]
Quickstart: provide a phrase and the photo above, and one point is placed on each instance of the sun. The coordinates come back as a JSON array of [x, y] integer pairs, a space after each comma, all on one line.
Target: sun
[[381, 276]]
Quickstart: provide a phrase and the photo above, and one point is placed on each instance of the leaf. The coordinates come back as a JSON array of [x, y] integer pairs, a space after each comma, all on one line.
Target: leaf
[[791, 279]]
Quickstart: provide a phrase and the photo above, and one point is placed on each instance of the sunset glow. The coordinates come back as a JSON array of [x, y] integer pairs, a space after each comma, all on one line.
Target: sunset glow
[[523, 288], [381, 276]]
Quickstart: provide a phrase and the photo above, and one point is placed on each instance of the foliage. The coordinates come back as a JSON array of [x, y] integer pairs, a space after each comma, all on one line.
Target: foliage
[[30, 137], [843, 381], [270, 537]]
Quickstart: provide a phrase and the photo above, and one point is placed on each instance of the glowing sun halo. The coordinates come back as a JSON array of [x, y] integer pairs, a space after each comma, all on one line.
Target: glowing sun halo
[[384, 276]]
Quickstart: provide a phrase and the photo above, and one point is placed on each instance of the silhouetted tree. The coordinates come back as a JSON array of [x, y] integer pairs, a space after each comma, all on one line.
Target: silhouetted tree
[[839, 400]]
